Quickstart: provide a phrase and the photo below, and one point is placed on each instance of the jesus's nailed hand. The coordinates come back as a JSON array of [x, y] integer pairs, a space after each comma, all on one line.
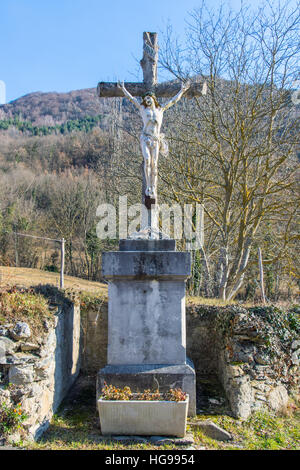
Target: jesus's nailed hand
[[185, 85]]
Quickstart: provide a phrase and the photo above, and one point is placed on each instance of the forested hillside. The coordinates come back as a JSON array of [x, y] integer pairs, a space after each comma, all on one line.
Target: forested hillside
[[54, 108], [57, 163]]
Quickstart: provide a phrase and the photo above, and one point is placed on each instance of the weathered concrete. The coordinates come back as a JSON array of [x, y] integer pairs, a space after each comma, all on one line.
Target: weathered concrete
[[146, 322], [153, 377], [141, 265], [147, 245], [138, 417], [146, 318], [146, 312]]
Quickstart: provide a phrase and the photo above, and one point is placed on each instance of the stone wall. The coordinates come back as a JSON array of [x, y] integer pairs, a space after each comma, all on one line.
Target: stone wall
[[202, 346], [258, 360], [200, 338], [38, 372], [94, 321]]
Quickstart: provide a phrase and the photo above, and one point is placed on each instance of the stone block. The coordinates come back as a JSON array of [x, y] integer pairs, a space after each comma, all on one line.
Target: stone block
[[212, 430], [153, 377], [20, 375], [278, 398], [188, 439], [21, 330], [7, 346], [146, 322], [142, 265], [295, 344], [29, 346], [295, 357], [147, 245]]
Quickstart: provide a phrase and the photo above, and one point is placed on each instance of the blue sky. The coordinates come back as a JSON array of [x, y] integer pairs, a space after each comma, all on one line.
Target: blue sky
[[63, 45]]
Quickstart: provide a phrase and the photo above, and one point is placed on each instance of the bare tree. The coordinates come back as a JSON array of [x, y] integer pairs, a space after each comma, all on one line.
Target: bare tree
[[235, 150]]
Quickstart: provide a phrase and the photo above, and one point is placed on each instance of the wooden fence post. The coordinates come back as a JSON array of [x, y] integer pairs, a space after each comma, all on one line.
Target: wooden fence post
[[16, 251], [62, 262]]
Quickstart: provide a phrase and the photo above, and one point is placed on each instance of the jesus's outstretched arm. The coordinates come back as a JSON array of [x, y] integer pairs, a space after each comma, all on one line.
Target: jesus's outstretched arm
[[184, 87], [128, 95]]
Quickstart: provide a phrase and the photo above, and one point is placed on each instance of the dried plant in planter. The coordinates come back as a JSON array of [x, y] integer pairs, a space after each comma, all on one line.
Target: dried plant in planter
[[110, 392]]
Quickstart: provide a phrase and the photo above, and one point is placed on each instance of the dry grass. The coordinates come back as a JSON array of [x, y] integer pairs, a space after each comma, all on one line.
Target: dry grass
[[214, 302], [28, 307], [27, 277]]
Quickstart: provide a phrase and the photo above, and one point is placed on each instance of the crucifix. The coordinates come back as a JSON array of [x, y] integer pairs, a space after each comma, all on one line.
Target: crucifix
[[152, 140]]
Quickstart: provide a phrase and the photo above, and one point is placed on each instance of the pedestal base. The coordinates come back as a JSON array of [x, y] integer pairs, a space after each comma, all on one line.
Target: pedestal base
[[142, 377], [146, 308]]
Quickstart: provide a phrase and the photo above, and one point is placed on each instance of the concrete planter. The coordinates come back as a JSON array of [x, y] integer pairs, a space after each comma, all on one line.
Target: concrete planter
[[138, 417]]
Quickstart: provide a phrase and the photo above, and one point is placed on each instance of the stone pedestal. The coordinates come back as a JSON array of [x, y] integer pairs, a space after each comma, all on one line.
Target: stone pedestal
[[146, 318]]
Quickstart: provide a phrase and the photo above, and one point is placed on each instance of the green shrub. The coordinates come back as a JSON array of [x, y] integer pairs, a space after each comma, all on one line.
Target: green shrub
[[11, 417]]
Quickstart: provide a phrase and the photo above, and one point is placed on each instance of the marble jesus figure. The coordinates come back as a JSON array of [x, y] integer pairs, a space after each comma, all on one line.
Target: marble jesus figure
[[151, 139]]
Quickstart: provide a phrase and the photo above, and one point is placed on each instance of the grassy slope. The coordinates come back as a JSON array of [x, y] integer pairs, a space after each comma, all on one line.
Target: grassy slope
[[27, 277]]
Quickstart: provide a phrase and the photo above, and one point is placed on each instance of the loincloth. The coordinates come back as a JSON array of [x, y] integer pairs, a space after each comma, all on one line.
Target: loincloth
[[151, 141]]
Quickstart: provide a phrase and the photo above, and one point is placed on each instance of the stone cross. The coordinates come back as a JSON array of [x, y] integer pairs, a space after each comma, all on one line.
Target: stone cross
[[161, 90]]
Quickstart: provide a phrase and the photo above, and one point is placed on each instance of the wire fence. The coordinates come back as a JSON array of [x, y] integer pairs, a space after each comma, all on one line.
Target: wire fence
[[62, 251]]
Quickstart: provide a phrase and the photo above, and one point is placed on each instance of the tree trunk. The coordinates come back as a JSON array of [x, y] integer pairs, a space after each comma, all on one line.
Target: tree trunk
[[241, 271], [206, 274], [261, 276], [224, 273]]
